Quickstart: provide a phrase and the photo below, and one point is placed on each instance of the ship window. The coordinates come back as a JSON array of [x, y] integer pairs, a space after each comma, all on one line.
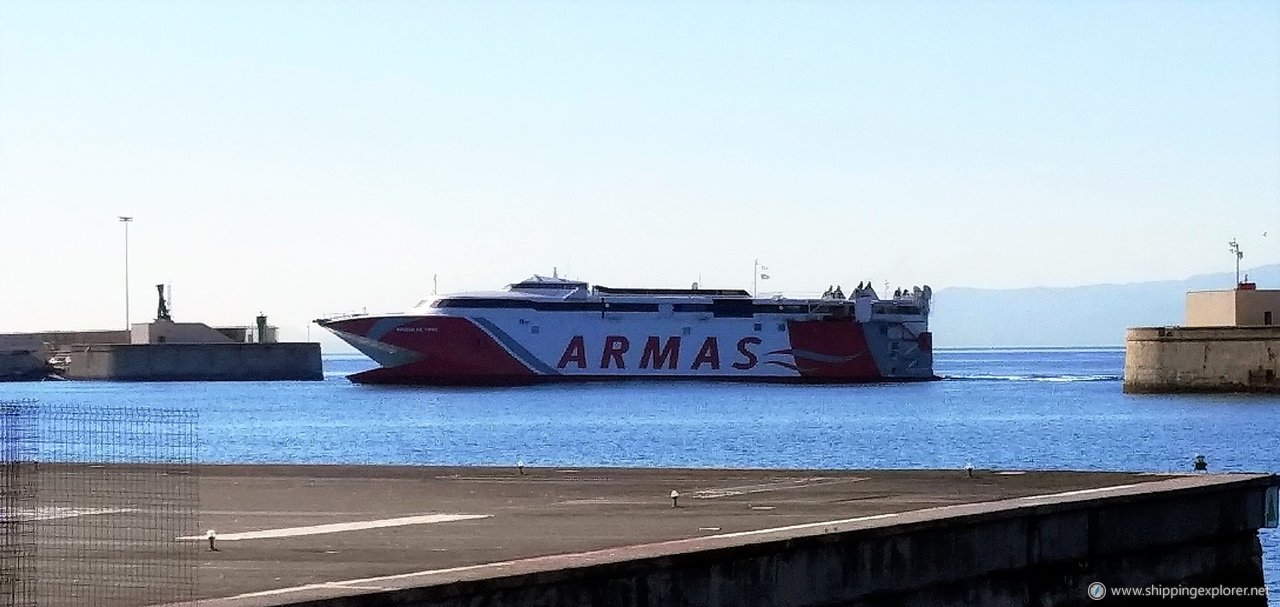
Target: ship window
[[632, 307], [733, 308], [535, 329], [686, 331], [564, 286], [758, 326], [782, 327], [894, 309], [544, 306]]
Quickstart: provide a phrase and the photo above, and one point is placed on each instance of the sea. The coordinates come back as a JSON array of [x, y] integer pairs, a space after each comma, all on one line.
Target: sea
[[1024, 409]]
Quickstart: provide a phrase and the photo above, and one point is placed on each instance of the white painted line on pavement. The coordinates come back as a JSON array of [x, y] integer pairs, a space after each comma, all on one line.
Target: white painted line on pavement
[[267, 534], [1036, 498], [51, 513], [710, 494]]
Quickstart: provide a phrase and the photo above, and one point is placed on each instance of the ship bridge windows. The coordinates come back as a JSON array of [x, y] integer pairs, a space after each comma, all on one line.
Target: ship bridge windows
[[614, 306], [479, 303], [896, 309], [543, 306], [733, 308]]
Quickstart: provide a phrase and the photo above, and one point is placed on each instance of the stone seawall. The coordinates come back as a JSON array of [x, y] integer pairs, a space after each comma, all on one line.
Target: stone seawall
[[1202, 359], [18, 365], [197, 362]]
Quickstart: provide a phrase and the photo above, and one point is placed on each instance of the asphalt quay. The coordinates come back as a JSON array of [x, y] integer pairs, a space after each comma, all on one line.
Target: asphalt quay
[[284, 533]]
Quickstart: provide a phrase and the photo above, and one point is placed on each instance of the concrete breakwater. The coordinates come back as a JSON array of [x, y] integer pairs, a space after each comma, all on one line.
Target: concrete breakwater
[[161, 350], [196, 362], [339, 536], [1202, 359]]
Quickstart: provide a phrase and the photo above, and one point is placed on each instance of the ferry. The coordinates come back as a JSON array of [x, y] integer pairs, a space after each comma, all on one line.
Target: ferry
[[555, 329]]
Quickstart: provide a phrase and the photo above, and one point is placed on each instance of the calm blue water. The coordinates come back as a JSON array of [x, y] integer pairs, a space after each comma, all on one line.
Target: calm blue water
[[1045, 409]]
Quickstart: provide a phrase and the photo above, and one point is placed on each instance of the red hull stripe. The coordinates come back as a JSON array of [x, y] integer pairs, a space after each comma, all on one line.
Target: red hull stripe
[[832, 350], [520, 352]]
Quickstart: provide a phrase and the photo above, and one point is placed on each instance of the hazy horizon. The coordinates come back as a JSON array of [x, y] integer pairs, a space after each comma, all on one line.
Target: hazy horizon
[[306, 159]]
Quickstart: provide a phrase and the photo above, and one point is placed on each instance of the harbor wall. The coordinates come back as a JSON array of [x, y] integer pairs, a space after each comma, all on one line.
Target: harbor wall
[[52, 340], [22, 358], [21, 365], [196, 362], [1192, 531], [1202, 359]]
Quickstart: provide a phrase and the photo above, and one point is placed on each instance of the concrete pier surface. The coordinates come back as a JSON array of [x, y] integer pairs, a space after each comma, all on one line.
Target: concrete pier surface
[[289, 535]]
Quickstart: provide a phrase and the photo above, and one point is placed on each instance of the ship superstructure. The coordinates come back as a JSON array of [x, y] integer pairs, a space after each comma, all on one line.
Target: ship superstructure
[[551, 328]]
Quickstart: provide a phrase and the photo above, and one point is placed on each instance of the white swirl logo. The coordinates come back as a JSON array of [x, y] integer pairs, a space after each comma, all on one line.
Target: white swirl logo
[[1097, 591]]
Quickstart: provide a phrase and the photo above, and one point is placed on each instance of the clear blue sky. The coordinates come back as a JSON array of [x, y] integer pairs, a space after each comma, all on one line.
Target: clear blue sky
[[303, 158]]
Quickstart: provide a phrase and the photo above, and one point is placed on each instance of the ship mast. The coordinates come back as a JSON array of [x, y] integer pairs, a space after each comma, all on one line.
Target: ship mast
[[756, 277]]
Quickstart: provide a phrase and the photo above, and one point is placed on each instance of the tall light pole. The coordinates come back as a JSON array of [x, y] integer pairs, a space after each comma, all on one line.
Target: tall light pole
[[126, 221], [1238, 254]]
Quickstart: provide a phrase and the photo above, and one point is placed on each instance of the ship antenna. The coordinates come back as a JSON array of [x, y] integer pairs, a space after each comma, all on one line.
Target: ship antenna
[[435, 284], [1235, 250], [555, 272]]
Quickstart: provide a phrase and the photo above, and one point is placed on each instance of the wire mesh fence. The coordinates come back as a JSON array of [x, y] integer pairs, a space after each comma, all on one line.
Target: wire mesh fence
[[17, 495], [100, 496]]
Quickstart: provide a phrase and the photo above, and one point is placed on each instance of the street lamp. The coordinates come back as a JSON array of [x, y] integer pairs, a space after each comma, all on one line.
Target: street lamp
[[1238, 254], [126, 221]]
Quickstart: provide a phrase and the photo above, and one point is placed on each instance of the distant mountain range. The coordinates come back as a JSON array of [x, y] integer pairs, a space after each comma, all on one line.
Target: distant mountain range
[[1091, 315]]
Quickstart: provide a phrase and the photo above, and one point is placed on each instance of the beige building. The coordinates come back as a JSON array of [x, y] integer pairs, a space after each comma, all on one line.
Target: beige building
[[167, 331], [1242, 307]]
